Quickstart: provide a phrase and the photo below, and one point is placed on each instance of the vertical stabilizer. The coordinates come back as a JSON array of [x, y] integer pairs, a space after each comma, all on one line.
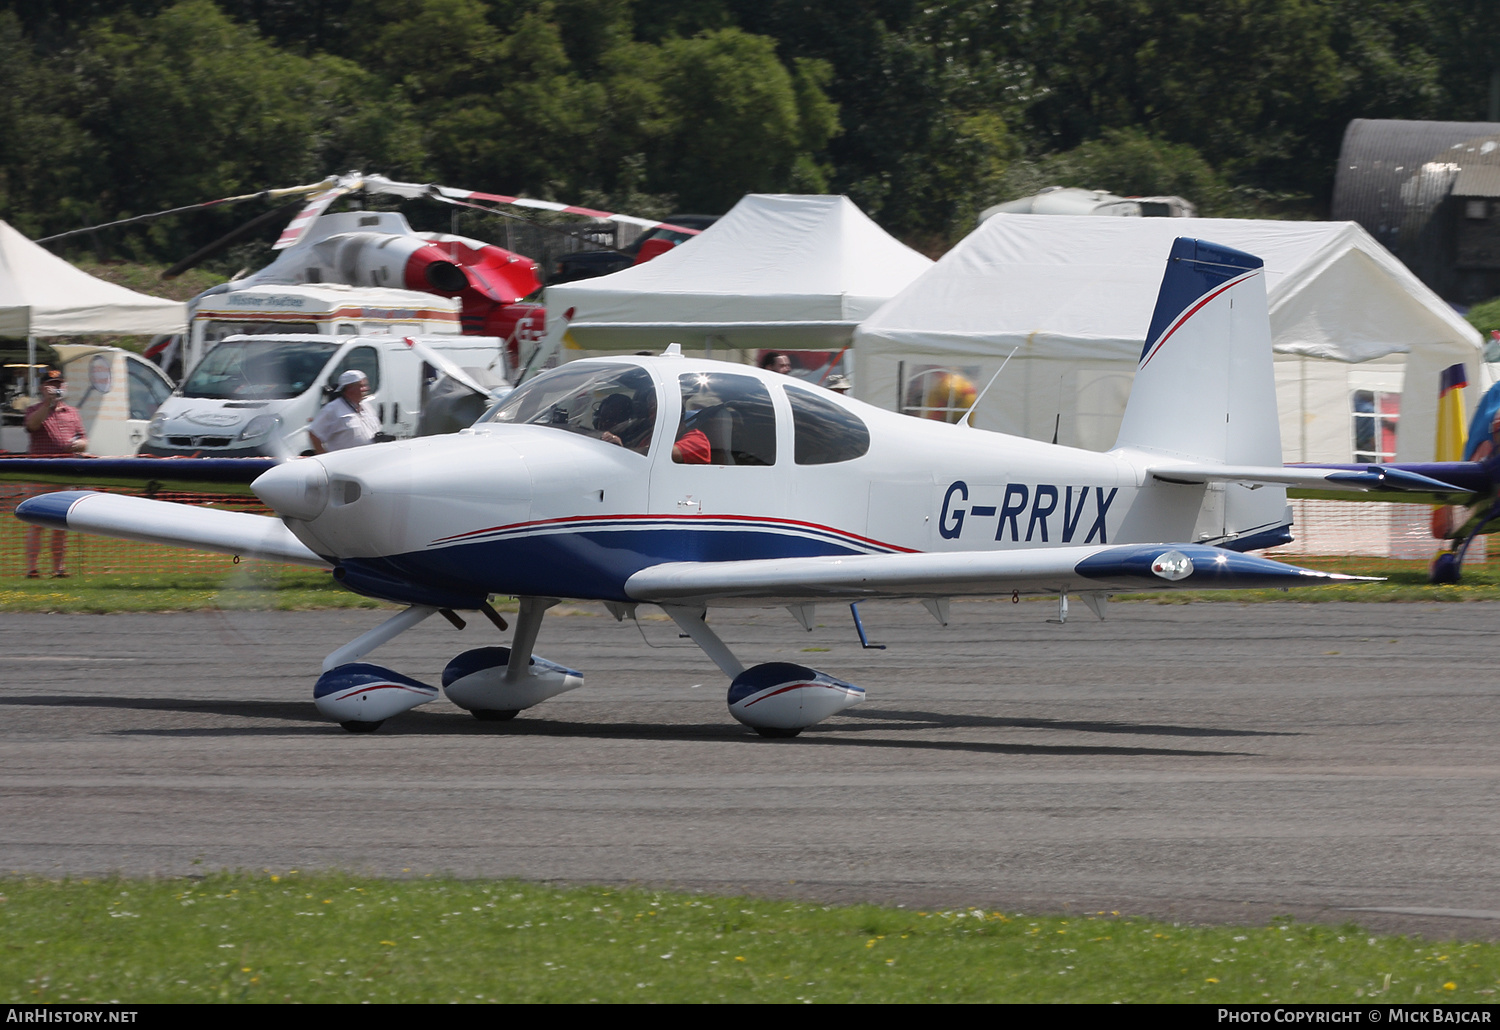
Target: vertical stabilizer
[[1204, 388]]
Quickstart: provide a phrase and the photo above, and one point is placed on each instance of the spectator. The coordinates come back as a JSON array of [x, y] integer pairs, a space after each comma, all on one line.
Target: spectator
[[346, 421], [55, 428], [775, 361]]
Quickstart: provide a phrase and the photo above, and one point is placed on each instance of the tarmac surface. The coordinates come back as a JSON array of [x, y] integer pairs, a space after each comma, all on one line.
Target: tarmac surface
[[1212, 762]]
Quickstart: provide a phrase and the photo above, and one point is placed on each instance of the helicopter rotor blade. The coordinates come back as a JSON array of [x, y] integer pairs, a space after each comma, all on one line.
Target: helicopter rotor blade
[[262, 195], [351, 183], [472, 198], [557, 229], [233, 236]]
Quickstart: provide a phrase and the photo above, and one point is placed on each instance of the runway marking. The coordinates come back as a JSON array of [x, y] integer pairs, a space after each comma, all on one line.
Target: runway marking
[[1457, 913], [64, 658]]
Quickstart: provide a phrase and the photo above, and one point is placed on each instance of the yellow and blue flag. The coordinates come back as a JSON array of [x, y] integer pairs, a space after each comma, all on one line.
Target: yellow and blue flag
[[1450, 414]]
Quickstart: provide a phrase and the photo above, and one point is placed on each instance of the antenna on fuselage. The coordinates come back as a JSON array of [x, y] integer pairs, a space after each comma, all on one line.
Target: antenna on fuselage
[[964, 418]]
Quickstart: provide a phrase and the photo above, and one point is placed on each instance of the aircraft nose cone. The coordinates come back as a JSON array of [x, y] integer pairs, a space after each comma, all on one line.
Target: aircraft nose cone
[[297, 489]]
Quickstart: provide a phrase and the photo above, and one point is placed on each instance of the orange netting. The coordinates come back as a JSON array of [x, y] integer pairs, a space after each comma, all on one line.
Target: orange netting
[[104, 556]]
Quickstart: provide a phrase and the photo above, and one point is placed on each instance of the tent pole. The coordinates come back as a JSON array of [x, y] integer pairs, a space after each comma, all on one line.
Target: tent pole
[[31, 367]]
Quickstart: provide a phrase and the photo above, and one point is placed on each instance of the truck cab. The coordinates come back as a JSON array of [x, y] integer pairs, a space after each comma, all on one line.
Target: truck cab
[[326, 309]]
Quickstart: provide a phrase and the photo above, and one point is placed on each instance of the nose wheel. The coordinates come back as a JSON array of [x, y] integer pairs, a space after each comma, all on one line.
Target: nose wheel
[[356, 726], [496, 714]]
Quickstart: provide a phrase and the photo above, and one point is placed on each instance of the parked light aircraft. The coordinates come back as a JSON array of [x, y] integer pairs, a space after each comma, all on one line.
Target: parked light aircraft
[[688, 484]]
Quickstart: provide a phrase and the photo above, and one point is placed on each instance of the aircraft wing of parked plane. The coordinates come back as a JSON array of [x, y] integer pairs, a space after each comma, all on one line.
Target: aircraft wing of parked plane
[[691, 484]]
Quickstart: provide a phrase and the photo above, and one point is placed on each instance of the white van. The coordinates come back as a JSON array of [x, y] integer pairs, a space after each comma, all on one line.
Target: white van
[[116, 393], [254, 396]]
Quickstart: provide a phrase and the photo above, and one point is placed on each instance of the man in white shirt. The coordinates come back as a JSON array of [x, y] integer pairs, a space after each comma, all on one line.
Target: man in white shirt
[[346, 421]]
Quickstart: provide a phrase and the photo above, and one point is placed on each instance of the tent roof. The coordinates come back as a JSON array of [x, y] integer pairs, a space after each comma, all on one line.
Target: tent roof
[[43, 295], [778, 270], [1084, 287]]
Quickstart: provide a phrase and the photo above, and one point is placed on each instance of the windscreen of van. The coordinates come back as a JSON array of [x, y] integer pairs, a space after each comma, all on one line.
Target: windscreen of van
[[256, 370]]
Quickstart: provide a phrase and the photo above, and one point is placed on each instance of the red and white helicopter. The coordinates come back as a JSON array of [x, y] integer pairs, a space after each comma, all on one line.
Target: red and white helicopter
[[688, 484], [380, 249]]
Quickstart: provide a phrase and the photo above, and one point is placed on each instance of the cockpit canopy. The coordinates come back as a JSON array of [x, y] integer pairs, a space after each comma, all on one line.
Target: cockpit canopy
[[727, 418], [615, 403]]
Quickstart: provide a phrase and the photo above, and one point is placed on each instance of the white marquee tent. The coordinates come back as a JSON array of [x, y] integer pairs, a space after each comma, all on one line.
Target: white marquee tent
[[43, 295], [1073, 296], [776, 271]]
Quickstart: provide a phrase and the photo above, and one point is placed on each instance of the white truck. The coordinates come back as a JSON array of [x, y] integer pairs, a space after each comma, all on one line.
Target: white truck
[[328, 309], [254, 396]]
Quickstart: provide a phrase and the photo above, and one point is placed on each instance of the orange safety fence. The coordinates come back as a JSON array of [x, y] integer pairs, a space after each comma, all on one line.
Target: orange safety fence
[[105, 556]]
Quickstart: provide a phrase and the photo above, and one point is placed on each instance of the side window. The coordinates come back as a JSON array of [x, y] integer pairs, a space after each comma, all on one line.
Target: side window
[[727, 419], [363, 358], [1375, 416], [825, 432], [147, 391]]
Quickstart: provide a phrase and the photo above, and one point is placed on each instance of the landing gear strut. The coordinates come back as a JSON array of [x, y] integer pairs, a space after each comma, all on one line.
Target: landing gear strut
[[777, 700]]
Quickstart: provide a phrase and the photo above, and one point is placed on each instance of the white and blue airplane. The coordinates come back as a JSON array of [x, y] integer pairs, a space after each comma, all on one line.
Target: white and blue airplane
[[690, 484]]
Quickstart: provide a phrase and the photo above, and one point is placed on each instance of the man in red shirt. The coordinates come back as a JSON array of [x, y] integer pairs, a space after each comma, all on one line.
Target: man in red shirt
[[55, 429]]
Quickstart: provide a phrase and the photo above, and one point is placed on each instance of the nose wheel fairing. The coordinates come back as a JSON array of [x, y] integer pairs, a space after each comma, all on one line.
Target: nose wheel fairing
[[367, 695]]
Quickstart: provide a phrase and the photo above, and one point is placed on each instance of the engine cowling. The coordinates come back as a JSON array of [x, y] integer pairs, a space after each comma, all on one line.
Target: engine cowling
[[780, 699]]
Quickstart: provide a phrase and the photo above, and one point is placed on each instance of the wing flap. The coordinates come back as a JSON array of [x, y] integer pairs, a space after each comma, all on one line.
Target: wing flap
[[1120, 569], [175, 525]]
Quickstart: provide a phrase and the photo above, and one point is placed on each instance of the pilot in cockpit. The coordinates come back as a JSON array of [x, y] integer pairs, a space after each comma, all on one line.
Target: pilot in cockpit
[[616, 422]]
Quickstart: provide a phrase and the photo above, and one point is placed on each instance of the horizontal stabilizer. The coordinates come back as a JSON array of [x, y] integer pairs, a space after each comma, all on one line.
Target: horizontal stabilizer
[[1350, 478], [1129, 567], [162, 522]]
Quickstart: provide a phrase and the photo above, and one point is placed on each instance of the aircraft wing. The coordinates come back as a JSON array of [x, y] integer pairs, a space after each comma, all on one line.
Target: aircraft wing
[[1114, 569], [188, 475], [175, 525]]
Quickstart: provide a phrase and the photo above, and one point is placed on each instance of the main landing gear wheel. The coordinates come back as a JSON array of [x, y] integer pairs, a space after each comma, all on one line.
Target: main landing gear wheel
[[355, 726], [776, 732], [496, 714]]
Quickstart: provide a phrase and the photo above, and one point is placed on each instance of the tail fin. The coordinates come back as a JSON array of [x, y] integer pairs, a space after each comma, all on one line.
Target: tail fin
[[1204, 388]]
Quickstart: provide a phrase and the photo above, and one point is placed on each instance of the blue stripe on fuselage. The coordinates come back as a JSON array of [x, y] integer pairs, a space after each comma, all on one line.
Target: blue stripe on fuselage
[[591, 563]]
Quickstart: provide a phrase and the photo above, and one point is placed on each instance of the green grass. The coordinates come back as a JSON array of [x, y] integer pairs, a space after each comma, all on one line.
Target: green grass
[[250, 586], [334, 938]]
